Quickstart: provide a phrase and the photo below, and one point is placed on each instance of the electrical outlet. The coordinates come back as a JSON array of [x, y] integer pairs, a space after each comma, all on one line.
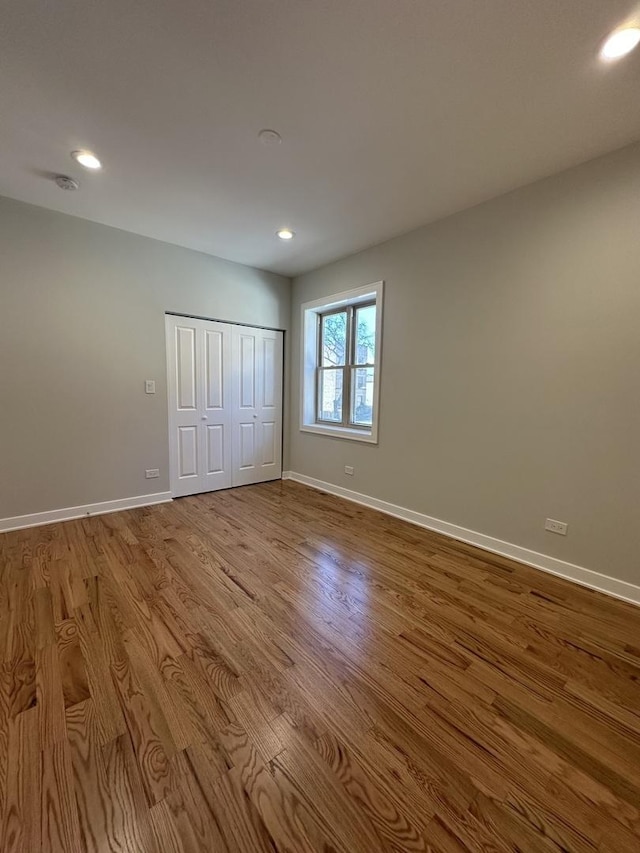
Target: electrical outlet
[[149, 386], [152, 473], [348, 469], [554, 526]]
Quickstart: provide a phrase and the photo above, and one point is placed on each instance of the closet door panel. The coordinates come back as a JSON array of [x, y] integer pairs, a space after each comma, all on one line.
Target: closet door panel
[[257, 416], [199, 392], [184, 403], [216, 409]]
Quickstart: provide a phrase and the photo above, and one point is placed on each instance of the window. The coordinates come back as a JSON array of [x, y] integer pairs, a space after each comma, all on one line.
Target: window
[[346, 365], [341, 347]]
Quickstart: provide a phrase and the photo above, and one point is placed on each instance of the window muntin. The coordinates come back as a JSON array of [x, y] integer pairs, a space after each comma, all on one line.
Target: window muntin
[[345, 379]]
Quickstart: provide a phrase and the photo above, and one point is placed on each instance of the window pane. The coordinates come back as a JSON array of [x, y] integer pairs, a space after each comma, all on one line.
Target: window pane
[[362, 396], [330, 395], [334, 339], [365, 335]]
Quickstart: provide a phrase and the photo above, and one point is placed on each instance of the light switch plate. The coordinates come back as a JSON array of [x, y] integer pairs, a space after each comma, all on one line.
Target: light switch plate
[[149, 386]]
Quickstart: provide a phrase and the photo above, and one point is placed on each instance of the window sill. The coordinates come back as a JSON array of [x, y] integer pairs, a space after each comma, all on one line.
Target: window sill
[[367, 436]]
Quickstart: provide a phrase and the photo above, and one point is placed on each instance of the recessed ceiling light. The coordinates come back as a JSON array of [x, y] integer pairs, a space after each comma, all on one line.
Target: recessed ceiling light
[[285, 233], [620, 43], [87, 159]]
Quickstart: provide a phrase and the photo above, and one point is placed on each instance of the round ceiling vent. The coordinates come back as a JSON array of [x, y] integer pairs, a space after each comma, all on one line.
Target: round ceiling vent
[[66, 183], [269, 137]]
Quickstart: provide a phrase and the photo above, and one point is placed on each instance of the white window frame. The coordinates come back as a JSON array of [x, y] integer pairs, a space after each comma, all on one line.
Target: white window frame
[[309, 362]]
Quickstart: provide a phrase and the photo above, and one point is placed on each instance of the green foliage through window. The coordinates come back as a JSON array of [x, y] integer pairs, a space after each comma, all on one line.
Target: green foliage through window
[[346, 366]]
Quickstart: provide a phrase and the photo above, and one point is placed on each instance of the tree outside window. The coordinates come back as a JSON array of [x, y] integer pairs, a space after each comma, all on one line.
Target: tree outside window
[[346, 366]]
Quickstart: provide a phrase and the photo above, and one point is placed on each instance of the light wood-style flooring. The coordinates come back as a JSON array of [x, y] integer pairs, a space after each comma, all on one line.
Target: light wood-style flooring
[[275, 669]]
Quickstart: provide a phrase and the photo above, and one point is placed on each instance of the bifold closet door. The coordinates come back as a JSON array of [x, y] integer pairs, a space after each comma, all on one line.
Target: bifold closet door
[[257, 416], [225, 405], [200, 409]]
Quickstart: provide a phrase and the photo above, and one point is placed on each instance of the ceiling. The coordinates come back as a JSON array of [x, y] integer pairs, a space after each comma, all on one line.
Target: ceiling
[[393, 113]]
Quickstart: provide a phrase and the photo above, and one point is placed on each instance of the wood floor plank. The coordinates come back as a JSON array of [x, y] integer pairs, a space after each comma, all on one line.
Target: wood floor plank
[[166, 832], [73, 672], [149, 732], [323, 793], [200, 710], [100, 681], [50, 696], [58, 812], [377, 800], [20, 832], [272, 669], [195, 822], [131, 820], [93, 800], [281, 807], [240, 823]]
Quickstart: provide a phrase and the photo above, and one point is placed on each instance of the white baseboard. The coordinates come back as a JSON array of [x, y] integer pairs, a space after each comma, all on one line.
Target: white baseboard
[[38, 518], [585, 577]]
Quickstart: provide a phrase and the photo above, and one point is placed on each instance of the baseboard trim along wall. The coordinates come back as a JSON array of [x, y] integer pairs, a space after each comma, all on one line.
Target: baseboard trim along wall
[[585, 577], [67, 514]]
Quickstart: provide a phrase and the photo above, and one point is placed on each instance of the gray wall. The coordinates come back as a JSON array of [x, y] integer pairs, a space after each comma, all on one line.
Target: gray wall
[[511, 368], [81, 327]]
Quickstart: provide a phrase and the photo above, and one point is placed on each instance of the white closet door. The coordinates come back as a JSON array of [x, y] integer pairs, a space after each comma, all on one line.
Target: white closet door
[[257, 416], [216, 433], [199, 386], [225, 405]]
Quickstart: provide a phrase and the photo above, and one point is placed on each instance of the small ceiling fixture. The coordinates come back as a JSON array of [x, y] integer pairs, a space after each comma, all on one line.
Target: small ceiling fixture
[[66, 183], [620, 43], [269, 137], [87, 159], [285, 233]]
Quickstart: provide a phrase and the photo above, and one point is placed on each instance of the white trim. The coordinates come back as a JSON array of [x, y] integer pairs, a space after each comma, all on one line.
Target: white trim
[[308, 359], [340, 432], [37, 518], [578, 574], [346, 297]]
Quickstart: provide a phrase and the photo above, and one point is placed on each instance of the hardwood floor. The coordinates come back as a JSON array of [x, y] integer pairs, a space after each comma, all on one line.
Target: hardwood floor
[[272, 668]]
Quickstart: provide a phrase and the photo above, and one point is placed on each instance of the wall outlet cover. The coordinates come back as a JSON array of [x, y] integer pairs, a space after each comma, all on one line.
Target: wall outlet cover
[[152, 473], [554, 526]]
